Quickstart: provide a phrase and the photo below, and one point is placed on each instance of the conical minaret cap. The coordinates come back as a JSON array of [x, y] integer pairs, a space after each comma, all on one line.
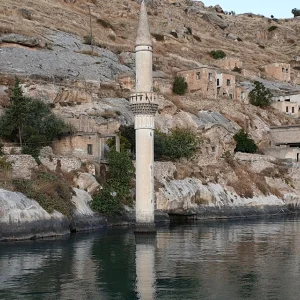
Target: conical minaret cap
[[143, 31]]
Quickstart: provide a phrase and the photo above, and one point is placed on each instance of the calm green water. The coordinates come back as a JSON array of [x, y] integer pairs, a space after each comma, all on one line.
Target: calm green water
[[229, 260]]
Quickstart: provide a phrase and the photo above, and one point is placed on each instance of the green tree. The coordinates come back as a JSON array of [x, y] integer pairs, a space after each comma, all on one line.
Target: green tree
[[30, 122], [244, 143], [180, 86], [260, 95], [116, 191], [296, 12]]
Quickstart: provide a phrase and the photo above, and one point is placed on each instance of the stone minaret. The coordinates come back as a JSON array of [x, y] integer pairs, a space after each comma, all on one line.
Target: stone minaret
[[144, 106]]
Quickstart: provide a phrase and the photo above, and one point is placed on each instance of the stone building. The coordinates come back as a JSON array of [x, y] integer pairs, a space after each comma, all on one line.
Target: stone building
[[288, 104], [85, 145], [285, 142], [230, 63], [210, 82], [279, 71], [241, 93]]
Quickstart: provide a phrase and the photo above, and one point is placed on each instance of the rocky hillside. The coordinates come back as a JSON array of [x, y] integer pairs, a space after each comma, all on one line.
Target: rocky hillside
[[74, 55]]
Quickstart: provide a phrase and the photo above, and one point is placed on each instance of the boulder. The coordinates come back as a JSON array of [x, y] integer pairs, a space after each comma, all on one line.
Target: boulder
[[219, 9], [22, 165], [23, 218], [87, 182], [215, 20]]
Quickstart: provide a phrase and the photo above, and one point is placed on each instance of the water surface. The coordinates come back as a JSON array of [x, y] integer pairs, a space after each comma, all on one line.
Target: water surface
[[220, 260]]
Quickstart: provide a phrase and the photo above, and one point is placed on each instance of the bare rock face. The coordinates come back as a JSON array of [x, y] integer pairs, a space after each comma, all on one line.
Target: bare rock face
[[23, 40], [23, 218], [214, 19], [84, 218]]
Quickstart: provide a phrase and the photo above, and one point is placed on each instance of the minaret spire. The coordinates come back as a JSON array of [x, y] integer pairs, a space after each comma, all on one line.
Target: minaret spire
[[143, 31], [144, 106]]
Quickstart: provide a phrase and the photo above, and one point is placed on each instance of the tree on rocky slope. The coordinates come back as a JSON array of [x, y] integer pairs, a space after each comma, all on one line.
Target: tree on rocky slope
[[260, 95], [244, 143], [296, 12], [30, 122]]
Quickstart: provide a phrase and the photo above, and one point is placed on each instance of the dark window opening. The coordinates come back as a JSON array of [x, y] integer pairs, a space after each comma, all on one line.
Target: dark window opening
[[283, 69], [218, 82], [198, 75], [286, 109], [228, 82], [287, 100], [293, 110], [230, 96], [90, 149]]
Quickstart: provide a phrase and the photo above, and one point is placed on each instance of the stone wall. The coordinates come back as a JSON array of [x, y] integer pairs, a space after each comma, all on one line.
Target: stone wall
[[287, 134], [284, 152], [229, 63], [22, 165], [227, 88], [279, 71]]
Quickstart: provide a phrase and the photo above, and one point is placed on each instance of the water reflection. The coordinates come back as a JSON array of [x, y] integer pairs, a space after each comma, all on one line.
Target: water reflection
[[145, 269], [246, 260]]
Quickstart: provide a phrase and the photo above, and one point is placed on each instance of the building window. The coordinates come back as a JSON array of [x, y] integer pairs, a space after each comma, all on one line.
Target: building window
[[218, 82], [242, 95], [228, 82], [293, 109], [210, 76], [287, 100], [90, 149], [286, 109], [283, 69], [287, 70], [198, 75], [230, 96]]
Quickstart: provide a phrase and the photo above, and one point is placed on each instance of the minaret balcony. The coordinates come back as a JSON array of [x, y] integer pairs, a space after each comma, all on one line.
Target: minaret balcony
[[144, 103]]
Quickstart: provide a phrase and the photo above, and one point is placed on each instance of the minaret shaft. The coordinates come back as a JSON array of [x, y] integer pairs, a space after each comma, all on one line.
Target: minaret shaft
[[144, 106]]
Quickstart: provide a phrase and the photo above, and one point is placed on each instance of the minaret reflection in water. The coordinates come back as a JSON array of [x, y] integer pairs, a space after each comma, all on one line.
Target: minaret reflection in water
[[145, 267]]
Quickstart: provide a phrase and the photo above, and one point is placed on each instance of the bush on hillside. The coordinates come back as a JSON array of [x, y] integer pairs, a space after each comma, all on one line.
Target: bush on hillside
[[296, 12], [272, 28], [260, 95], [217, 54], [244, 143], [180, 86], [180, 143]]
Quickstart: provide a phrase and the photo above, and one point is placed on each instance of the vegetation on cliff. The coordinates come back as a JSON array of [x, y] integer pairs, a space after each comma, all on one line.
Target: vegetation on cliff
[[30, 122], [180, 86], [260, 95], [116, 191], [244, 143]]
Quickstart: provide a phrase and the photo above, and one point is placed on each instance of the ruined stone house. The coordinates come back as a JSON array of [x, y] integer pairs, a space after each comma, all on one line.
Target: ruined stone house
[[210, 82], [279, 71], [230, 63], [288, 104]]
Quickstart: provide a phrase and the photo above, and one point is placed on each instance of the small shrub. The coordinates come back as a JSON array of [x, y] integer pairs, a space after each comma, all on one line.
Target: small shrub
[[189, 30], [87, 39], [296, 12], [104, 24], [236, 69], [158, 37], [239, 39], [261, 46], [180, 86], [260, 95], [197, 38], [244, 143], [180, 143], [217, 54], [174, 33], [272, 28]]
